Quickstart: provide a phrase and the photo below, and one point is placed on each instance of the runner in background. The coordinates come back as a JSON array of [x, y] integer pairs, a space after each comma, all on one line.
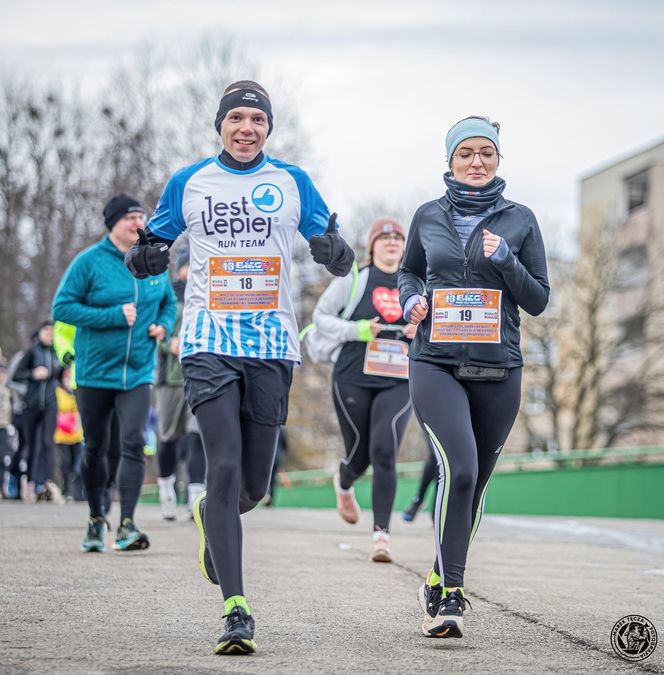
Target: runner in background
[[175, 421], [279, 459], [63, 343], [472, 260], [429, 475], [119, 321], [370, 377], [239, 339]]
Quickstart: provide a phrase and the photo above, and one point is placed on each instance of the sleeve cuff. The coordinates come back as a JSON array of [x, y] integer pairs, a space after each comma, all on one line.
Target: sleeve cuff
[[410, 303], [500, 254]]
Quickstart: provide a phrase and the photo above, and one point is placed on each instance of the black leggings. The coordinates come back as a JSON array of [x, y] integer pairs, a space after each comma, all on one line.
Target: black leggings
[[39, 427], [240, 454], [467, 422], [429, 473], [373, 422], [131, 408], [114, 452], [168, 457]]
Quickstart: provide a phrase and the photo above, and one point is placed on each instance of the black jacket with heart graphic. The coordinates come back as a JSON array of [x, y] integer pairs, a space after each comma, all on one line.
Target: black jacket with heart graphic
[[380, 299]]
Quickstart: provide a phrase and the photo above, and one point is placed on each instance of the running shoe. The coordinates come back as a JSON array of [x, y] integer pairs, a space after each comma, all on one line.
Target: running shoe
[[53, 493], [93, 542], [130, 538], [193, 490], [447, 622], [239, 636], [409, 514], [381, 548], [204, 557], [347, 505], [27, 490], [168, 500], [13, 491]]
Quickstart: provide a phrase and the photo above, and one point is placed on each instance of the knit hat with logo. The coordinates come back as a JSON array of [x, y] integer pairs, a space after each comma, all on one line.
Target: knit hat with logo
[[383, 226], [118, 207]]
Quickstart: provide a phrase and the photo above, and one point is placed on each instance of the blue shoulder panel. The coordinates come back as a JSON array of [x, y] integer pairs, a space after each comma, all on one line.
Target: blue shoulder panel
[[314, 211], [167, 221]]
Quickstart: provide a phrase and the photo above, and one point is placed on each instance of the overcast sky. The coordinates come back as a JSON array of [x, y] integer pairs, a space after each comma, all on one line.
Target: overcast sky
[[378, 83]]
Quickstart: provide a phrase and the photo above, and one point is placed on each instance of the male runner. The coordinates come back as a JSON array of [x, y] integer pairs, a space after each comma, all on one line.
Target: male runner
[[239, 338]]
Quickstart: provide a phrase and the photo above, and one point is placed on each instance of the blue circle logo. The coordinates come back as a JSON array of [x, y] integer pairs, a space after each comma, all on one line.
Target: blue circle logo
[[267, 197]]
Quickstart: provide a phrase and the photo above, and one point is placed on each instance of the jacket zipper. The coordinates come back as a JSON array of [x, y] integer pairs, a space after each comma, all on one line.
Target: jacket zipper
[[131, 329], [466, 260]]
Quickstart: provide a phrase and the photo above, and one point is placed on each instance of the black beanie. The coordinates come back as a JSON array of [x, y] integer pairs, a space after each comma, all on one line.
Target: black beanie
[[244, 97], [120, 206]]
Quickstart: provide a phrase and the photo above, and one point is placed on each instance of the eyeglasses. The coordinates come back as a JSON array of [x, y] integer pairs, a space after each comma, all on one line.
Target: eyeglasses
[[389, 237], [136, 216], [467, 156]]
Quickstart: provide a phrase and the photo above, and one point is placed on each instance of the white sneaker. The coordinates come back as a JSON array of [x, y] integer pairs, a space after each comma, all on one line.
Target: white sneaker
[[193, 490], [381, 548], [54, 493], [168, 499], [27, 490], [347, 505], [443, 614]]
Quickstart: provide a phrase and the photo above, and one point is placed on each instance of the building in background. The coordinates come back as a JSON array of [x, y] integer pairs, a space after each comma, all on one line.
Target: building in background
[[619, 312]]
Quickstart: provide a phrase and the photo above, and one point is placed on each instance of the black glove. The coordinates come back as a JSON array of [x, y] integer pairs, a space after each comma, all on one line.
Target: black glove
[[323, 247], [331, 250], [144, 259]]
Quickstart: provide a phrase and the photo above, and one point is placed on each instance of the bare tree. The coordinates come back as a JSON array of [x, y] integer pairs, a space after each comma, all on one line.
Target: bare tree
[[595, 351]]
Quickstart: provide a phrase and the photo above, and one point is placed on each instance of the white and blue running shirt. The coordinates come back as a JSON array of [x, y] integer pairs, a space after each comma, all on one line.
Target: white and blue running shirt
[[241, 226]]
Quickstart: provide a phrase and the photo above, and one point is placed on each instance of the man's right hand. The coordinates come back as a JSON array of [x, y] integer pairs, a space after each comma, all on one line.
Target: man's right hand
[[145, 259], [129, 311]]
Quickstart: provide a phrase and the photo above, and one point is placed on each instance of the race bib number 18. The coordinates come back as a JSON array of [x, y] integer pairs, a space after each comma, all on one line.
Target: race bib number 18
[[466, 315], [244, 283]]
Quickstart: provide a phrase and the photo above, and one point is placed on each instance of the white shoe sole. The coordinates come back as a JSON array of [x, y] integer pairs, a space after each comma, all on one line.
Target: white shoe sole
[[438, 626]]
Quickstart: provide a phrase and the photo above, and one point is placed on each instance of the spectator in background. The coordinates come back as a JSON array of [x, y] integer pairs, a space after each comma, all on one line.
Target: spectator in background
[[18, 465], [6, 428], [40, 370], [69, 439]]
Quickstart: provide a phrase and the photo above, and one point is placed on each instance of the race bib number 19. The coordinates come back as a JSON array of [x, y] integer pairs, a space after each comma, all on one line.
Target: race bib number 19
[[466, 315], [244, 283]]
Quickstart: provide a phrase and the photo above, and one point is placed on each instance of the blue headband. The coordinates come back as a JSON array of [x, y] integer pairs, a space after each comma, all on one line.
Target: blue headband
[[470, 128]]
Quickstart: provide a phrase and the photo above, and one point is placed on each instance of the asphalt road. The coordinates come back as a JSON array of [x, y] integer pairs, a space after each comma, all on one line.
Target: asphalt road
[[545, 594]]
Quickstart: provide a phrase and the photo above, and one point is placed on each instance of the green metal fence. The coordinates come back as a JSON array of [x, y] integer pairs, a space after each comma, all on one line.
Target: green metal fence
[[613, 482]]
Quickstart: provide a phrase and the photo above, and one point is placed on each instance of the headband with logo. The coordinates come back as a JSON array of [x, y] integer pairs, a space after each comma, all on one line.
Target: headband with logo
[[243, 98]]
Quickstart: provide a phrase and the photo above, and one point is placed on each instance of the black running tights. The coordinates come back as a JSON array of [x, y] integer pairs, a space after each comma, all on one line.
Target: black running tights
[[373, 422], [96, 407], [467, 423], [240, 454]]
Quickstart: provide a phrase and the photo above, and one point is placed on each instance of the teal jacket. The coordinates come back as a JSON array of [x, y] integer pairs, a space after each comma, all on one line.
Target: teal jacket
[[109, 353]]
